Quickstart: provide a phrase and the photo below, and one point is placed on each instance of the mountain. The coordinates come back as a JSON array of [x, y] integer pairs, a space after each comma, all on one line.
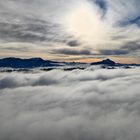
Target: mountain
[[26, 63], [105, 62], [16, 63]]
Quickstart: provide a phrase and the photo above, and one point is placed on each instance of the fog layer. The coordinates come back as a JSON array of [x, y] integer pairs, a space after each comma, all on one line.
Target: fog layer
[[87, 104]]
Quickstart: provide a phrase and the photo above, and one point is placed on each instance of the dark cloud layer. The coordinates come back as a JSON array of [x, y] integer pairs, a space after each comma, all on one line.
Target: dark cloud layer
[[72, 52], [34, 24], [73, 43], [126, 49], [94, 104], [32, 30], [114, 52]]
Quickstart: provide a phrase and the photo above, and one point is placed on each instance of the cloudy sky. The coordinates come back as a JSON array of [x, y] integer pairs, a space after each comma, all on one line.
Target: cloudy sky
[[82, 30]]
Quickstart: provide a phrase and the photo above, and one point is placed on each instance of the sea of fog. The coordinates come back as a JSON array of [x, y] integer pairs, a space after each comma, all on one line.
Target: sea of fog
[[90, 104]]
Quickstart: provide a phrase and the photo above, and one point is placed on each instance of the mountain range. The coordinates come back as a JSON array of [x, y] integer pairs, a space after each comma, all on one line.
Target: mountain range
[[12, 62]]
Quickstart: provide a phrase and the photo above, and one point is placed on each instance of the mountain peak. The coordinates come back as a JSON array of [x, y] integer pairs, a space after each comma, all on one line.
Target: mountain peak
[[108, 61], [104, 62], [36, 58]]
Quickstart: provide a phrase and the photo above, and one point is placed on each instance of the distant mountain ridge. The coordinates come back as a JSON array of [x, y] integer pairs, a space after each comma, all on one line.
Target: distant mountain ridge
[[12, 62], [26, 63]]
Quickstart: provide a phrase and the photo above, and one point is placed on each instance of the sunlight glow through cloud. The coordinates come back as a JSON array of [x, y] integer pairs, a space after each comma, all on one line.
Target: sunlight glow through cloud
[[96, 25]]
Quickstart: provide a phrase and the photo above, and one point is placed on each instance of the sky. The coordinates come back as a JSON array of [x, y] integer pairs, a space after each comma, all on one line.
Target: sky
[[62, 30]]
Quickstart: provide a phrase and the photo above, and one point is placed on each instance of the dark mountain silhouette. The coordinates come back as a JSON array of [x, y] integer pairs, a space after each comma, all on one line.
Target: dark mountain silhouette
[[104, 62], [26, 63], [12, 62], [109, 62]]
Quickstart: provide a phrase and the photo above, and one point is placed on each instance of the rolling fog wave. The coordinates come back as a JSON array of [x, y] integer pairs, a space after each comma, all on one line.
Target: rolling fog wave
[[98, 104]]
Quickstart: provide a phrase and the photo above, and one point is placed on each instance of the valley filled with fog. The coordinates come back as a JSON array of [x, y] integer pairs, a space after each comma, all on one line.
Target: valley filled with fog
[[90, 104]]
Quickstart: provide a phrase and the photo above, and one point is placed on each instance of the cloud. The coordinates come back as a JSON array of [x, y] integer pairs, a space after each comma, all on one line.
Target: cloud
[[73, 43], [132, 46], [74, 105], [71, 51], [31, 30], [126, 49], [98, 23], [39, 23], [114, 52], [135, 21], [101, 24], [102, 4]]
